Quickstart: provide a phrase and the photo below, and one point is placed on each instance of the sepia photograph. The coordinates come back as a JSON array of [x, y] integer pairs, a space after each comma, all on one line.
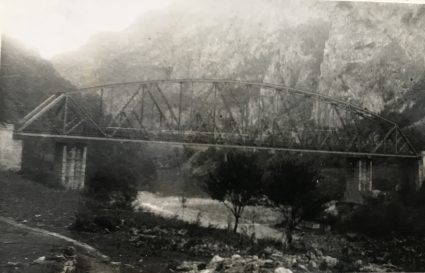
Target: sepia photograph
[[212, 136]]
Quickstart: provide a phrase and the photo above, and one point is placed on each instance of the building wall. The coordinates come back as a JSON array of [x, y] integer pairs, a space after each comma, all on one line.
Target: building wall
[[10, 149]]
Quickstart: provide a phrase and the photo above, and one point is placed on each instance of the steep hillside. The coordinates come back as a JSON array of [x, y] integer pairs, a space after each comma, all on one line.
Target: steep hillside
[[367, 54], [26, 80], [375, 55], [209, 39]]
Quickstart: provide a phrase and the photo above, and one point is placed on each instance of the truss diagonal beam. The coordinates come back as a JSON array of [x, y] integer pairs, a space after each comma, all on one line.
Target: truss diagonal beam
[[85, 115], [46, 106]]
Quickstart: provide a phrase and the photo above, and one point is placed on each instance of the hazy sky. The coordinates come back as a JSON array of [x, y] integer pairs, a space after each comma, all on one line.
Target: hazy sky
[[54, 26]]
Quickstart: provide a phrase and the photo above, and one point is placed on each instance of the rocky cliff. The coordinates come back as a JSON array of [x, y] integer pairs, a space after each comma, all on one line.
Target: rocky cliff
[[374, 55], [367, 54], [210, 39]]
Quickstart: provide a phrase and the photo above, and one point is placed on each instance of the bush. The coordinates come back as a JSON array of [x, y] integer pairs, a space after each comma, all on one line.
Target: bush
[[116, 172], [293, 186], [385, 217], [115, 187], [236, 181]]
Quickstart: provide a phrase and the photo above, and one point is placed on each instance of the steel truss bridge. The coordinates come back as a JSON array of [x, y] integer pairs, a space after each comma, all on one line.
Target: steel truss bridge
[[222, 113]]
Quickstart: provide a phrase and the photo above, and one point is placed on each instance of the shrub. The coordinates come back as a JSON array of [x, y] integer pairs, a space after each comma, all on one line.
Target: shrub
[[292, 186], [235, 182], [115, 187], [386, 217], [116, 172]]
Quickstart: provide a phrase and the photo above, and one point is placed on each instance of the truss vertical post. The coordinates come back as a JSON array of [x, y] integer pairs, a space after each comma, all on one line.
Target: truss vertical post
[[191, 106], [65, 115], [396, 141], [180, 106], [101, 119], [142, 106], [152, 123], [214, 111]]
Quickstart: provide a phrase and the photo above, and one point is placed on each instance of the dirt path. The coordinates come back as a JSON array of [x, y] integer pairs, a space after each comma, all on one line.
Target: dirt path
[[88, 249], [27, 249]]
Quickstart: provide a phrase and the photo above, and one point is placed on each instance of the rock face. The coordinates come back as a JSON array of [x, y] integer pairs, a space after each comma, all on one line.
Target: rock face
[[210, 39], [374, 54], [364, 53]]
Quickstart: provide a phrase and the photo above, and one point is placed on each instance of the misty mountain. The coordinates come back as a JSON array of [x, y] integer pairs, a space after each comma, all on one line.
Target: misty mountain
[[199, 39], [26, 80], [368, 54], [375, 57]]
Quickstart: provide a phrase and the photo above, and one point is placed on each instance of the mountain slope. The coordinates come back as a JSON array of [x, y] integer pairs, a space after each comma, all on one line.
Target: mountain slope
[[375, 55], [197, 39], [368, 54], [26, 80]]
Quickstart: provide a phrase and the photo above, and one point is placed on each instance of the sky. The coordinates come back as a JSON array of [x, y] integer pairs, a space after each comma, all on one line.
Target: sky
[[383, 1], [52, 27]]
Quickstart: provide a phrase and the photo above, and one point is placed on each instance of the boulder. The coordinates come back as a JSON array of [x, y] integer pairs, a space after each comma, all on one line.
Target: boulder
[[268, 263], [328, 262], [236, 257], [216, 262], [282, 270], [312, 264], [40, 260], [216, 259]]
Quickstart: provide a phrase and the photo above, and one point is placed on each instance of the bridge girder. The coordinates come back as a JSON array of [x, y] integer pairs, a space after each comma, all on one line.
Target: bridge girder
[[217, 112]]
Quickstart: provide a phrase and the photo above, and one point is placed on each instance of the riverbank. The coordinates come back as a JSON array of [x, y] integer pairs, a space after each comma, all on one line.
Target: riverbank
[[145, 241]]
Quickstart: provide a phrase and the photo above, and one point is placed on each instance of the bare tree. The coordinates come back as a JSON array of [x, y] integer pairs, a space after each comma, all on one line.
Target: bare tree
[[235, 182], [292, 186]]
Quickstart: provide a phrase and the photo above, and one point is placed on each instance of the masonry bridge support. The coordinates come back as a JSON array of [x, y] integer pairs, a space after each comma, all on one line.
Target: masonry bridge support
[[70, 164], [360, 175]]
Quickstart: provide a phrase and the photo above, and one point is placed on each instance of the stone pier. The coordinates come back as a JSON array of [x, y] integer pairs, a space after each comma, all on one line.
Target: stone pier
[[421, 171], [413, 172], [407, 174], [70, 161], [359, 179]]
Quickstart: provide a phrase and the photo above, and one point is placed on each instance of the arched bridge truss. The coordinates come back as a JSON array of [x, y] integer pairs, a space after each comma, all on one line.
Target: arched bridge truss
[[216, 113]]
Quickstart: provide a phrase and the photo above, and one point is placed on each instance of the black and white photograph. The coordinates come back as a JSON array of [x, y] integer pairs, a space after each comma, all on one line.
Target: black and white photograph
[[212, 136]]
